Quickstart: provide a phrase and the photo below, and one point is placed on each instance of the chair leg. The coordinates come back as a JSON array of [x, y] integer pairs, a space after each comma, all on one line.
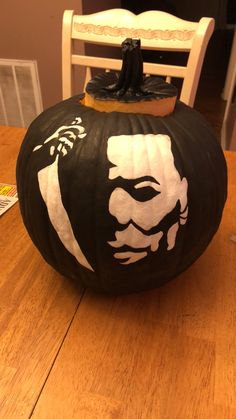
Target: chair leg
[[225, 141], [231, 66]]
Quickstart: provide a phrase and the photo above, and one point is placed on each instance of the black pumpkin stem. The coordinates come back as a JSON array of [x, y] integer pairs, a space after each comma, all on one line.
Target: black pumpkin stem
[[131, 76]]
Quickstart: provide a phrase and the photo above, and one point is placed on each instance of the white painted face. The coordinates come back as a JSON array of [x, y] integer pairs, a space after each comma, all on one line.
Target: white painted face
[[147, 161]]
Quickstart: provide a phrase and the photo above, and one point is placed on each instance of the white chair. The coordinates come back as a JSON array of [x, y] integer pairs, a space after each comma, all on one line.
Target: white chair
[[156, 30]]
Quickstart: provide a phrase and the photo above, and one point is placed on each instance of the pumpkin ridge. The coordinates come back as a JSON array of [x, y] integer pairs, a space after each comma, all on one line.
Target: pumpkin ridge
[[31, 222], [35, 233], [101, 277], [211, 140], [78, 152], [149, 166], [201, 235], [183, 173], [149, 128], [167, 130]]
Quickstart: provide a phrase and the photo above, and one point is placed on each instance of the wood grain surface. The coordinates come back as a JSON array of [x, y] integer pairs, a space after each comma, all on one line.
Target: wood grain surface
[[163, 354]]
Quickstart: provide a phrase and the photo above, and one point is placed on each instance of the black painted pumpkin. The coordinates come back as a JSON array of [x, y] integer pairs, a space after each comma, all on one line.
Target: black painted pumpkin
[[120, 201]]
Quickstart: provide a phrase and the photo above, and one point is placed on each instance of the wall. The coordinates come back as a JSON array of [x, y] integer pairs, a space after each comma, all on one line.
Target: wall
[[184, 9], [32, 30], [90, 6]]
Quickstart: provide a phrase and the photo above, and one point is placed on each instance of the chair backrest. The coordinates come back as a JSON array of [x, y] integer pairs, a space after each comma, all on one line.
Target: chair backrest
[[156, 30]]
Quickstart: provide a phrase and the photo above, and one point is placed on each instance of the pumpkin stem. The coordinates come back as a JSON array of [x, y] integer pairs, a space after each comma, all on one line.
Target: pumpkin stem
[[131, 76]]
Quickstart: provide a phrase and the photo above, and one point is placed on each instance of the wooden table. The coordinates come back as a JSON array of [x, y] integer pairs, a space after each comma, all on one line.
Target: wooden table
[[69, 353]]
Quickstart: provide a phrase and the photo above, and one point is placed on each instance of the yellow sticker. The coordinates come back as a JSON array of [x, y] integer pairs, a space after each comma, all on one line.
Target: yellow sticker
[[5, 189]]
